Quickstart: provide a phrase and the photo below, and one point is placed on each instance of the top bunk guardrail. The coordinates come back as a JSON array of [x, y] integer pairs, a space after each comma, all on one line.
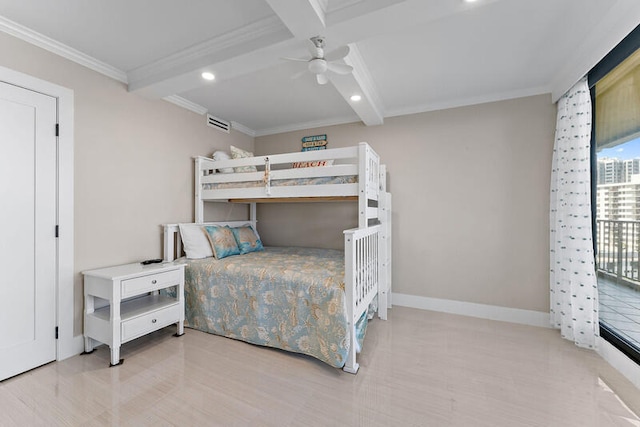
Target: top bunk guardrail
[[353, 173]]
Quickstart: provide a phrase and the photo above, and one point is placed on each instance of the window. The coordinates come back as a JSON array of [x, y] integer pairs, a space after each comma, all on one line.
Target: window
[[615, 143]]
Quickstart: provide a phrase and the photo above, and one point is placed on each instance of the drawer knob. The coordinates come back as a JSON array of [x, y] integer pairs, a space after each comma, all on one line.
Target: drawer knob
[[154, 281], [154, 320]]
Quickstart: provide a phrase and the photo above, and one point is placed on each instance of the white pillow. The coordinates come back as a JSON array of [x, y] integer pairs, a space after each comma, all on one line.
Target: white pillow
[[195, 241], [222, 155]]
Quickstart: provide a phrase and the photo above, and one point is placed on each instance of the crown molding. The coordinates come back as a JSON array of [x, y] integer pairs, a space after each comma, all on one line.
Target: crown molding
[[185, 103], [23, 33], [424, 108], [244, 129], [466, 102], [207, 52], [307, 125], [40, 40]]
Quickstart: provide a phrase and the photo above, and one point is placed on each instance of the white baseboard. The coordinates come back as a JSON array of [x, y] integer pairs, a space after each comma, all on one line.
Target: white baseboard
[[619, 361], [492, 312]]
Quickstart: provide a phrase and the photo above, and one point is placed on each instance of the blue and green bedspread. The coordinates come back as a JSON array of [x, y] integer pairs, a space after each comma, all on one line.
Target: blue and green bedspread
[[283, 297]]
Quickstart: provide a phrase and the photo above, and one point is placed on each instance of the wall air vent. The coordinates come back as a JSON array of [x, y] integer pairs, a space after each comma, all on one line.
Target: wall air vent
[[217, 123]]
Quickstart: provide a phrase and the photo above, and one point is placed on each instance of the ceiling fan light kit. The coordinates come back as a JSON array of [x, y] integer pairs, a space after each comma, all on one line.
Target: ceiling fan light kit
[[319, 63], [317, 66]]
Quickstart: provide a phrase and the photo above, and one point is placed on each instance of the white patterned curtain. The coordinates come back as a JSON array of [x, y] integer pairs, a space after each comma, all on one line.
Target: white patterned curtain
[[574, 291]]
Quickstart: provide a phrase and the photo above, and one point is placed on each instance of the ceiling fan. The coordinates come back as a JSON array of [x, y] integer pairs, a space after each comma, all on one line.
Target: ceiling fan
[[319, 63]]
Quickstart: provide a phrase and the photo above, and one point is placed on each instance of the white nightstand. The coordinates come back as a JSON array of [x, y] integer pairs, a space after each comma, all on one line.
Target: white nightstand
[[143, 310]]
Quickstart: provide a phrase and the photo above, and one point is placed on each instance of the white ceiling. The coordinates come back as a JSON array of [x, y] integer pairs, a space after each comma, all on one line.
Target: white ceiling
[[408, 55]]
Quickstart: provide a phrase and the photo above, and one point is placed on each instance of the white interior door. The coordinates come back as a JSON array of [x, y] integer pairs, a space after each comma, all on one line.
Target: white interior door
[[28, 217]]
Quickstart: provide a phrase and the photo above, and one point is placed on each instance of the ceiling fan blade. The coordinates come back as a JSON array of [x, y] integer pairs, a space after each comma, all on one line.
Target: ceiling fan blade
[[299, 74], [295, 59], [339, 53], [322, 79], [339, 68]]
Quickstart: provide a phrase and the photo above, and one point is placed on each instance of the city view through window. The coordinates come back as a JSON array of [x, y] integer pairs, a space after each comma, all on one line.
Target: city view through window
[[618, 239]]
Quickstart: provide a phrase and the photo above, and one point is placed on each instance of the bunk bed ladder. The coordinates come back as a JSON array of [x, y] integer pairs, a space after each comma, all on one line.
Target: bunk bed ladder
[[384, 211], [388, 260], [368, 184]]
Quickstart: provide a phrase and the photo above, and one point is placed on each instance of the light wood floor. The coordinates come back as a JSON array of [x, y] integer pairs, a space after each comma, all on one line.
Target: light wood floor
[[418, 368]]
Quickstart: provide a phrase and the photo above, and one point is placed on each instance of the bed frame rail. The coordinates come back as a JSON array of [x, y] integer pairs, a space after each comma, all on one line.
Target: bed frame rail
[[363, 277]]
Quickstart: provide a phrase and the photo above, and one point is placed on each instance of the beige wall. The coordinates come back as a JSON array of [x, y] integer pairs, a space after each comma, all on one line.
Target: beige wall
[[470, 191], [133, 166], [470, 185]]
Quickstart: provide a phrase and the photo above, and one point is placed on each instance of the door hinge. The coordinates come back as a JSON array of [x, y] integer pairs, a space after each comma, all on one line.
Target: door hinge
[[56, 332], [57, 231], [57, 129]]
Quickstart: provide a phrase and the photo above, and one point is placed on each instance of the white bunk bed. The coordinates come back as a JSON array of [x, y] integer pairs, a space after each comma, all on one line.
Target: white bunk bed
[[357, 175]]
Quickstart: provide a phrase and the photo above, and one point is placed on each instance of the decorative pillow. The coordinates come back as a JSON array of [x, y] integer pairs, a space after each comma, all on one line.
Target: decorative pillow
[[222, 241], [222, 155], [238, 153], [195, 241], [312, 164], [247, 239]]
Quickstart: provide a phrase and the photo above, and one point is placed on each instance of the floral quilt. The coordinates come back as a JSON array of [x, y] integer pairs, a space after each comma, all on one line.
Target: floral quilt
[[283, 297]]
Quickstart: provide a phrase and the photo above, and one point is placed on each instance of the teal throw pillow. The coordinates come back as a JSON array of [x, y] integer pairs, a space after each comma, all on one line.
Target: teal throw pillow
[[222, 241], [247, 239]]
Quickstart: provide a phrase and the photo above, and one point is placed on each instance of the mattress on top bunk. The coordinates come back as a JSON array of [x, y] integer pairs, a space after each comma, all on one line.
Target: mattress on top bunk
[[346, 179], [284, 297]]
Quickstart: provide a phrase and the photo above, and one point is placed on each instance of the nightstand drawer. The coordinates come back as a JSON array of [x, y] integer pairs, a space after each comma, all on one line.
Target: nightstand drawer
[[152, 282], [149, 322]]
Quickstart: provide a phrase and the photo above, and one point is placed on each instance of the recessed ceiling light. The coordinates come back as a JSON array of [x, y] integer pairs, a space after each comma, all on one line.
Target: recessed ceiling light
[[356, 98], [208, 76], [470, 1]]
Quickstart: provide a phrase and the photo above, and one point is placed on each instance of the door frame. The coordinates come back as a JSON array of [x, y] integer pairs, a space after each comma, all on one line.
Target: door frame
[[67, 344]]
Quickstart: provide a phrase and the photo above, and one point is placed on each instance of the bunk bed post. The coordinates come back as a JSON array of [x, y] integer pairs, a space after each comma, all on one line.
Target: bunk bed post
[[172, 242], [168, 243], [350, 364], [199, 204], [383, 284], [388, 243], [252, 214], [363, 180]]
